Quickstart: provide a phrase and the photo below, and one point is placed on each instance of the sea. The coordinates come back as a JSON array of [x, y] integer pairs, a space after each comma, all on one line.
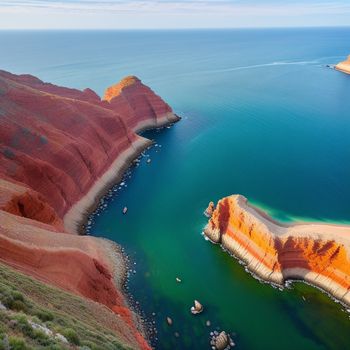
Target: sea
[[263, 115]]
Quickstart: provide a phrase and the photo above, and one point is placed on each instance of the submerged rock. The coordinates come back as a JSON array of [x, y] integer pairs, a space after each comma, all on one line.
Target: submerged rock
[[221, 341], [197, 308]]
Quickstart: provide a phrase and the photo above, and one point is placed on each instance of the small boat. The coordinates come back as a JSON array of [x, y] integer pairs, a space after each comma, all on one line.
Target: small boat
[[197, 308], [178, 280], [169, 321], [149, 160], [125, 209]]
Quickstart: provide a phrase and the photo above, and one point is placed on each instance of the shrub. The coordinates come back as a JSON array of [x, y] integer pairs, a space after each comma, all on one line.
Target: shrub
[[24, 326], [41, 337], [14, 300], [21, 318], [18, 305], [71, 336], [44, 315], [62, 322], [55, 347], [88, 344], [4, 342], [17, 343], [6, 299], [17, 295]]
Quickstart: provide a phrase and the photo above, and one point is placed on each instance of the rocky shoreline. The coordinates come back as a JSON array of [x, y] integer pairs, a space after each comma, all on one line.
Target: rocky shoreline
[[76, 219], [120, 266], [314, 253]]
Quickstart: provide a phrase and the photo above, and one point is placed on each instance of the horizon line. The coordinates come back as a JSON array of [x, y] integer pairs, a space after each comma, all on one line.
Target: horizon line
[[171, 28]]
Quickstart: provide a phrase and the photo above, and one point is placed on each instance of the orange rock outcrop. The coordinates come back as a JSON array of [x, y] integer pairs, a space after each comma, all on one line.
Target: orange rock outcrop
[[59, 148], [344, 66], [315, 253]]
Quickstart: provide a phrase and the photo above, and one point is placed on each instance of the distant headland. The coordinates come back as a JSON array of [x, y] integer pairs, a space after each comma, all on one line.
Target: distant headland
[[344, 66]]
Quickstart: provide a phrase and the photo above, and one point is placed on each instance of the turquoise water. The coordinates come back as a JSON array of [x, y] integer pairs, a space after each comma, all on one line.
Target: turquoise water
[[263, 117]]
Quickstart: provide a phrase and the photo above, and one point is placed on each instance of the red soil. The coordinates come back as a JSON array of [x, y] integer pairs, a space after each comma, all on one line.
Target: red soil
[[55, 142]]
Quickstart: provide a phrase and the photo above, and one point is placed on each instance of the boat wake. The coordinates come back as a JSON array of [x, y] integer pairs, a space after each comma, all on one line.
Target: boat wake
[[322, 61], [271, 64]]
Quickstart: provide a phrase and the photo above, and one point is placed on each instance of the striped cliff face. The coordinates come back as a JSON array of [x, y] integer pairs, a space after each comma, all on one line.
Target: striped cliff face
[[139, 106], [59, 149], [316, 253]]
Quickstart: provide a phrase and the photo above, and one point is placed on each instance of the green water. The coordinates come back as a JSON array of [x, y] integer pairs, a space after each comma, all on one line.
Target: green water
[[162, 234], [263, 117], [278, 135]]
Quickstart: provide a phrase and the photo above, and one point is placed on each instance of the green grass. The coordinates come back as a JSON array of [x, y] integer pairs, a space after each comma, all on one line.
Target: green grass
[[79, 320]]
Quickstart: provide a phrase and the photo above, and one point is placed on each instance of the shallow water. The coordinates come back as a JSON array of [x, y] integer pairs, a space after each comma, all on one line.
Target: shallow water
[[263, 117]]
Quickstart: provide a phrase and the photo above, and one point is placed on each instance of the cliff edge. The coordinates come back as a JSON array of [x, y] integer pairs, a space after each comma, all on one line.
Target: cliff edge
[[59, 150], [140, 106], [315, 253]]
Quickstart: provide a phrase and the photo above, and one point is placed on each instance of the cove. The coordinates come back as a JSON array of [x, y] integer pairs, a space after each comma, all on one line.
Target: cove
[[300, 316], [263, 117]]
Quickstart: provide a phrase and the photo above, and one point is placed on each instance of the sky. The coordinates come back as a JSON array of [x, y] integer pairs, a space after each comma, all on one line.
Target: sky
[[171, 14]]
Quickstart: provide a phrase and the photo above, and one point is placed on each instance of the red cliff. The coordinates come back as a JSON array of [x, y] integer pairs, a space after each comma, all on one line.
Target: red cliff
[[316, 253], [59, 148], [140, 106]]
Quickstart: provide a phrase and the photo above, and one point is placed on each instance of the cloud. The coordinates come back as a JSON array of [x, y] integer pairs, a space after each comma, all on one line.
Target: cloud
[[169, 6], [178, 13]]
